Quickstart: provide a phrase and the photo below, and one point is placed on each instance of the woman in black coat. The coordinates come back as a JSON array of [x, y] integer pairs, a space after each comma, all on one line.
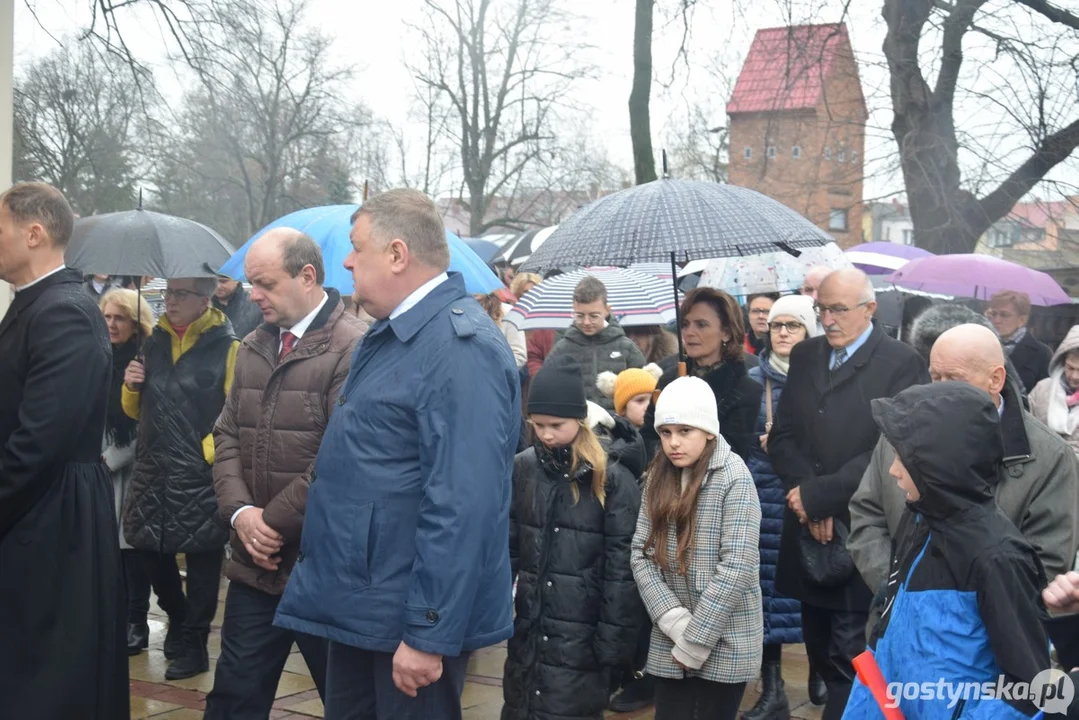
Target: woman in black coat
[[712, 334], [572, 519]]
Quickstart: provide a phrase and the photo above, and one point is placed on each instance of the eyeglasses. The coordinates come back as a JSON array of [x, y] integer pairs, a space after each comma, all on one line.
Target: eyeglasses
[[180, 295], [836, 311], [594, 317], [791, 327], [760, 311], [999, 314]]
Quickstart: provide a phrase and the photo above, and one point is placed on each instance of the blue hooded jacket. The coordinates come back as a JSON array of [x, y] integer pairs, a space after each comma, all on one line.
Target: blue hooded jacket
[[406, 535], [963, 600]]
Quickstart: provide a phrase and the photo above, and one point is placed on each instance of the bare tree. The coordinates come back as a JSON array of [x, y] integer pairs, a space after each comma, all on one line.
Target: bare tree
[[504, 67], [266, 131], [640, 122], [79, 126], [948, 217]]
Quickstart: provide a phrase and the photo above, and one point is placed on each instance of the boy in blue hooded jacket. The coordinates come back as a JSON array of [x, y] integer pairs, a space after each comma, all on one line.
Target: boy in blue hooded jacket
[[963, 601]]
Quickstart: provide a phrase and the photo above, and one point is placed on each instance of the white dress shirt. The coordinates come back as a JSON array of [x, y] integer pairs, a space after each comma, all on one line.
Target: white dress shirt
[[418, 294]]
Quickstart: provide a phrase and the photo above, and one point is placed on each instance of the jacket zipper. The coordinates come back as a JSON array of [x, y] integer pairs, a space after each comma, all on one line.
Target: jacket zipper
[[548, 532]]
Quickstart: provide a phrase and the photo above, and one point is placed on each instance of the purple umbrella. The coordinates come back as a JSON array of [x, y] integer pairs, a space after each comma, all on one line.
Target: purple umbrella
[[882, 258], [979, 277]]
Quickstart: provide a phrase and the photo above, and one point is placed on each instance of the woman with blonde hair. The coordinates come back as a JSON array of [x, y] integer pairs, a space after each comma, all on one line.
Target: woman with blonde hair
[[130, 322], [523, 282], [571, 521], [496, 309]]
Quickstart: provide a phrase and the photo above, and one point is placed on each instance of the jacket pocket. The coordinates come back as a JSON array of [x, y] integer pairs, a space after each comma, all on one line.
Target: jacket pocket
[[361, 545]]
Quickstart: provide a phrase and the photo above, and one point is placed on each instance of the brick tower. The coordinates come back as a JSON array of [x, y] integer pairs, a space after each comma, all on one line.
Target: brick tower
[[797, 125]]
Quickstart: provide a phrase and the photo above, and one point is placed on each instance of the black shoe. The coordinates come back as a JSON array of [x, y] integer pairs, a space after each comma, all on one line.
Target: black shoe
[[174, 645], [138, 637], [773, 703], [818, 691], [637, 694], [193, 659]]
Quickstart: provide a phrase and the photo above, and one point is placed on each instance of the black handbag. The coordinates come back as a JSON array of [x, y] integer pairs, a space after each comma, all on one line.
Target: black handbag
[[826, 565]]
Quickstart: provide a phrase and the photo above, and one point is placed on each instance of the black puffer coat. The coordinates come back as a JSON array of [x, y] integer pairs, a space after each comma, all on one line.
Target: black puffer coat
[[577, 605], [171, 506]]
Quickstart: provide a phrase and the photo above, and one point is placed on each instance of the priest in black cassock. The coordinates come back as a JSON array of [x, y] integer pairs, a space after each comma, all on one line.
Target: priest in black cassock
[[62, 647]]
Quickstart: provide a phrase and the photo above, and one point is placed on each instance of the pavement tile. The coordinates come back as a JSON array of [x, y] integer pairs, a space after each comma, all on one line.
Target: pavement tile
[[296, 664], [290, 684], [145, 707], [181, 714], [476, 694], [309, 708]]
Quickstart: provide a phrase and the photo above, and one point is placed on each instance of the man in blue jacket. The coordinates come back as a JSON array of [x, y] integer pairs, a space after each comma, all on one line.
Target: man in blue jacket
[[404, 562]]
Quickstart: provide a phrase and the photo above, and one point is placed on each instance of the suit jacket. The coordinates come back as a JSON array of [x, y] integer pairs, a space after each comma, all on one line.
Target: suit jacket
[[1031, 360], [822, 441]]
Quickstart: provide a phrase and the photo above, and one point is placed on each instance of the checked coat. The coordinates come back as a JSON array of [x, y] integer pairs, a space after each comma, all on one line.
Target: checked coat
[[721, 587]]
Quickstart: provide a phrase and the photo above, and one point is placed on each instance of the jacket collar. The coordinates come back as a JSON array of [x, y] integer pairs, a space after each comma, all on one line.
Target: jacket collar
[[24, 298], [827, 380], [719, 458], [267, 338], [406, 326], [1013, 429], [212, 318]]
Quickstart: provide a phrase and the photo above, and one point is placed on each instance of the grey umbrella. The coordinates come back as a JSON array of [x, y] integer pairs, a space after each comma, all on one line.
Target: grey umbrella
[[694, 220], [142, 242]]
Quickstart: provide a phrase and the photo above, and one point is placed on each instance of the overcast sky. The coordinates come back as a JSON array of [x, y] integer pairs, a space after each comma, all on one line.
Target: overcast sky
[[372, 34]]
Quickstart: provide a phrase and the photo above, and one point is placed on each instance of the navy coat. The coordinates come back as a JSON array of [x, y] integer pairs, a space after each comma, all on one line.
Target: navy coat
[[782, 615], [406, 535]]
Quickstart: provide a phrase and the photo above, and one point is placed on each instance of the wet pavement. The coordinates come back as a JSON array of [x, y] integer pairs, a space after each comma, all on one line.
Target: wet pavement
[[154, 697]]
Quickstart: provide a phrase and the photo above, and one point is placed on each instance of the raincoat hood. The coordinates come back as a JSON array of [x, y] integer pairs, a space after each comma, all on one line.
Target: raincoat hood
[[948, 437], [1070, 343]]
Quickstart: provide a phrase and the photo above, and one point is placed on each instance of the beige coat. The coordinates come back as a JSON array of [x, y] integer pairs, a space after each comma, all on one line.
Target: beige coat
[[1047, 399]]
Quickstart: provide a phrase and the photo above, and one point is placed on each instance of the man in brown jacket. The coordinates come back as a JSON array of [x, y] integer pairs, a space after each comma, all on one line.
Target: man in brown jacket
[[288, 375]]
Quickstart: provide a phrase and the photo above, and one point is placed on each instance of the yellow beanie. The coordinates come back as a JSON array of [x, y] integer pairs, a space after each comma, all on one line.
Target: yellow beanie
[[628, 384]]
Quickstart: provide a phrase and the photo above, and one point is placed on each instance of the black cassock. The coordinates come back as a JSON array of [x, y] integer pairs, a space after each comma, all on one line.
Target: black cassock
[[62, 622]]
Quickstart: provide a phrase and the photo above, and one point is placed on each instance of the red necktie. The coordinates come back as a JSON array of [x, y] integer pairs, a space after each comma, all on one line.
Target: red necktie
[[288, 341]]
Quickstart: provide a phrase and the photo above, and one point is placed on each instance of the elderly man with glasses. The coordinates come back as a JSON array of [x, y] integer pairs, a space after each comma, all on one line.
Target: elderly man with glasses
[[820, 444], [176, 389]]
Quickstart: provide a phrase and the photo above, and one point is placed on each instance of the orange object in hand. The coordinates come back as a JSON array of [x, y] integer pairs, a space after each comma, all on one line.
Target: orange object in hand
[[870, 675]]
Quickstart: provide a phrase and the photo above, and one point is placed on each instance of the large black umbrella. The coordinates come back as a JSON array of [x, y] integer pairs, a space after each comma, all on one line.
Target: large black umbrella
[[694, 220], [675, 221], [142, 242]]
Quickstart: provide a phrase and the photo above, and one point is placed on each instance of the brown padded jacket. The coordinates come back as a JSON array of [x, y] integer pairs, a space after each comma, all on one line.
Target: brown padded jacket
[[270, 430]]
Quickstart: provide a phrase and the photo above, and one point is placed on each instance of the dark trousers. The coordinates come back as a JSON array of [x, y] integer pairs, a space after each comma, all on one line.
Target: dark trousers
[[697, 699], [253, 654], [359, 686], [144, 570], [199, 606], [833, 638]]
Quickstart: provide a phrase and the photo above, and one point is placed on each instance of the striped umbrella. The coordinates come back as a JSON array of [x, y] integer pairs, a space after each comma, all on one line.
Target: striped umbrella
[[636, 299]]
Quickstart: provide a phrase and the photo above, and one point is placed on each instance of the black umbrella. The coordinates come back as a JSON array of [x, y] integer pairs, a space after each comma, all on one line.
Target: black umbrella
[[141, 242], [675, 221]]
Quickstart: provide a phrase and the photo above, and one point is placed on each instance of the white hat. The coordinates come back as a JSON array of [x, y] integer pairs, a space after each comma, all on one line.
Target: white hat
[[688, 401], [796, 306]]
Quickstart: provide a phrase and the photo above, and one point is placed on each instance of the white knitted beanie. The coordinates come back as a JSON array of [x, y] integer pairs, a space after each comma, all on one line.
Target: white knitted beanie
[[688, 401], [796, 306]]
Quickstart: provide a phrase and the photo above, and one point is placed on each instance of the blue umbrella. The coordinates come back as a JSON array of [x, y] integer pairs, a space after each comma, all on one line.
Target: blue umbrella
[[329, 227], [485, 249]]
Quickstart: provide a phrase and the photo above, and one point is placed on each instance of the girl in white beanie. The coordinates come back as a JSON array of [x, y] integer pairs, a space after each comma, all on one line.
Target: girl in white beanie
[[695, 559]]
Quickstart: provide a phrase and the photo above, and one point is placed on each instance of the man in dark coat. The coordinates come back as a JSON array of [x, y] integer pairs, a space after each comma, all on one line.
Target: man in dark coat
[[1009, 312], [820, 445], [231, 299], [289, 373], [62, 625]]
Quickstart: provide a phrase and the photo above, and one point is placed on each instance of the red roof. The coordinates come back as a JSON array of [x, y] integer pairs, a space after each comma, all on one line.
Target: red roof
[[786, 68]]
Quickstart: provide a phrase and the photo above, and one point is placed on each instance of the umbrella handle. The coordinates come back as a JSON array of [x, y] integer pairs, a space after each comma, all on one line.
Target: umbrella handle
[[682, 370]]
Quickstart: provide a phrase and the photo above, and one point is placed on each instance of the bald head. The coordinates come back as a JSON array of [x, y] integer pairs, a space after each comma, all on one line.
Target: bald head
[[813, 279], [285, 269], [846, 303], [972, 354]]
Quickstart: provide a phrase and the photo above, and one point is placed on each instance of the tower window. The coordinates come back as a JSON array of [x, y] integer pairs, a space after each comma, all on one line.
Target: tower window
[[796, 152], [842, 157], [827, 153], [837, 219], [771, 152], [748, 153]]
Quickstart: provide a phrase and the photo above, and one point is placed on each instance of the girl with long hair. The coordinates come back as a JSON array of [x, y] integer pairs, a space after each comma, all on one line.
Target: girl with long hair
[[571, 522], [695, 559]]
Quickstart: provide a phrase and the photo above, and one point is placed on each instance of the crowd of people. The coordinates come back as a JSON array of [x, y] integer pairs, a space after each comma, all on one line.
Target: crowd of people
[[402, 477]]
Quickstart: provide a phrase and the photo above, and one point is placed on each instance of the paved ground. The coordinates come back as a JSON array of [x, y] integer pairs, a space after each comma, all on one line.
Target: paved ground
[[153, 697]]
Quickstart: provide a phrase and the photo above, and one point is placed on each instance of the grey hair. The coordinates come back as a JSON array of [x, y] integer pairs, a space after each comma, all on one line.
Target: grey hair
[[410, 216], [937, 320], [41, 203], [205, 286], [869, 293], [299, 251]]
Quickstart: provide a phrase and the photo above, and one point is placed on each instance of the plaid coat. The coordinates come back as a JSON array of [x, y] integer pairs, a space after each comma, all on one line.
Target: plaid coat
[[722, 585]]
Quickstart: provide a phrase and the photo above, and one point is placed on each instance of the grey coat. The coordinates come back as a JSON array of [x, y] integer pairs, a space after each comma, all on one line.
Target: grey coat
[[721, 588], [1038, 491], [609, 350], [120, 460]]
